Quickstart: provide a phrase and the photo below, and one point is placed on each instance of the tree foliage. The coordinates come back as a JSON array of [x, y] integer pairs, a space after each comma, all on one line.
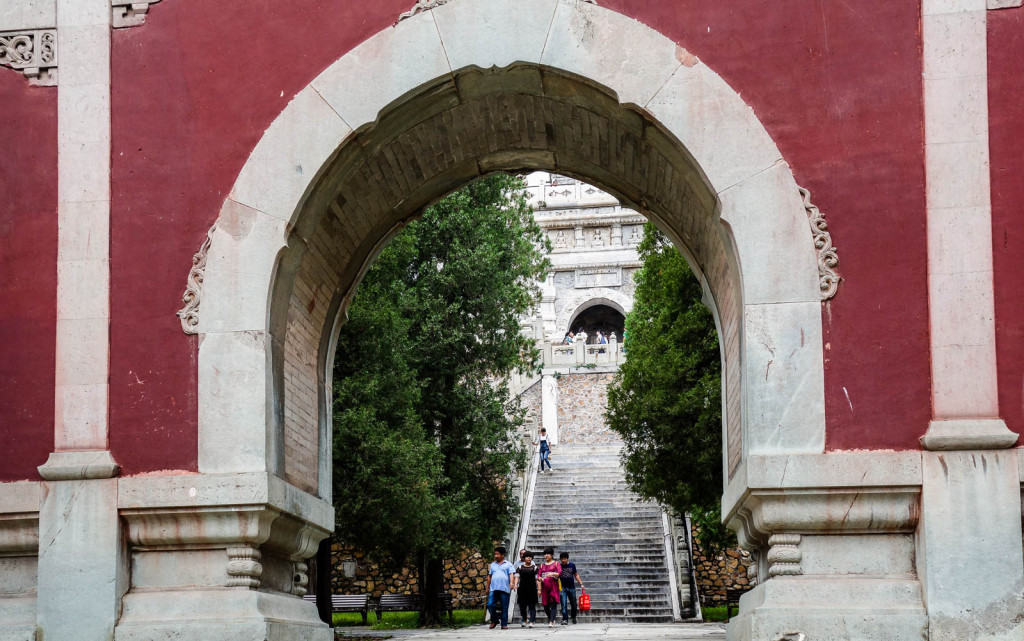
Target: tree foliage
[[423, 438], [666, 399]]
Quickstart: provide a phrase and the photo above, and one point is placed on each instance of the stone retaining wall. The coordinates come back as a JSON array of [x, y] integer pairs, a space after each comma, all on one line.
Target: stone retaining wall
[[463, 577], [716, 574], [582, 400]]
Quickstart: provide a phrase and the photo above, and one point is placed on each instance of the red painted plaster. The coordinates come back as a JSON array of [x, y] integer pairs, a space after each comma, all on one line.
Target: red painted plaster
[[1006, 147], [28, 274], [837, 87]]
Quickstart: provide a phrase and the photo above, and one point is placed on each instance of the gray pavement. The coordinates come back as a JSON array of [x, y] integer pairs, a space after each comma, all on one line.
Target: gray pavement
[[582, 632]]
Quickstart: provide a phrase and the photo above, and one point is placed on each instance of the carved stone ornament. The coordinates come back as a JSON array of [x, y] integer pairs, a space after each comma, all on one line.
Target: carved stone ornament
[[427, 5], [125, 13], [828, 279], [189, 314], [33, 52], [784, 556], [300, 579], [244, 567]]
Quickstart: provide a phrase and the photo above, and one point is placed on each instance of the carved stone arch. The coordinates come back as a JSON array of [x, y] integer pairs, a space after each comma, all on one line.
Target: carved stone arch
[[580, 301], [449, 95]]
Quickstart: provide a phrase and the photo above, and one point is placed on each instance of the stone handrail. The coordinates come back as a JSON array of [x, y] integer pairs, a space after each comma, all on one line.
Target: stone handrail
[[579, 353]]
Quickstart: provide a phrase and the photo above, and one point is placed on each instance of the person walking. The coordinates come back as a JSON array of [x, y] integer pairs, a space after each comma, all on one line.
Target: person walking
[[568, 575], [526, 592], [499, 588], [545, 449], [549, 592]]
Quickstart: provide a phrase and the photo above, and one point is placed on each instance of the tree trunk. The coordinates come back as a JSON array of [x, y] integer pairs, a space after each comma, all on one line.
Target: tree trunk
[[431, 585]]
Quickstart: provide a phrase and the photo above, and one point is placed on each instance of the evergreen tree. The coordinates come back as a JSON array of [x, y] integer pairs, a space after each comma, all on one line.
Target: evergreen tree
[[424, 427], [666, 399]]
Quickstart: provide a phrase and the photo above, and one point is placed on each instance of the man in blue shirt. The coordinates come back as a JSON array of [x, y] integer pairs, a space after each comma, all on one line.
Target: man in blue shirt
[[500, 580], [568, 576]]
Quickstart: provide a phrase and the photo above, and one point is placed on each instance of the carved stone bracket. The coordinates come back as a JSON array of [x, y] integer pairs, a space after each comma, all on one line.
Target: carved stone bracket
[[300, 579], [189, 314], [427, 5], [33, 52], [784, 556], [828, 279], [125, 13], [244, 568]]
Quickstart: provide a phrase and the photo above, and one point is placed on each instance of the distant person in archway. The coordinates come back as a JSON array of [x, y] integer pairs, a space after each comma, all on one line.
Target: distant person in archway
[[545, 449], [568, 575], [526, 592], [569, 336], [549, 590]]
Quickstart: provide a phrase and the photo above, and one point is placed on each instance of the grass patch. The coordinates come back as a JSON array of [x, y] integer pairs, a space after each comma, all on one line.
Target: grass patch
[[715, 614], [405, 620]]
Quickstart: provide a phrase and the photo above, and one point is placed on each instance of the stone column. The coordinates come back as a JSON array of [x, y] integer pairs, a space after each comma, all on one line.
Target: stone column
[[549, 407], [969, 554], [82, 570]]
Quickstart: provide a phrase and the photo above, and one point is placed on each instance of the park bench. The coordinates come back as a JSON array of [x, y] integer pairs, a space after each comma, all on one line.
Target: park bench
[[732, 597], [413, 603], [347, 603]]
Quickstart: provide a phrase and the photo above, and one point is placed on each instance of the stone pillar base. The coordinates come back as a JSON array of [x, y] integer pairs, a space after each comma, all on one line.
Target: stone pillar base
[[839, 609], [214, 614]]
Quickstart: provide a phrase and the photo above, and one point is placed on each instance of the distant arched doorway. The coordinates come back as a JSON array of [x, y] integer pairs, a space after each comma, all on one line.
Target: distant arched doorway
[[599, 318]]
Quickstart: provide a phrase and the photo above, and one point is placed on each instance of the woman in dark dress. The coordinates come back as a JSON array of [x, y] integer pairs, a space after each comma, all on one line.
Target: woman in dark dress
[[526, 595]]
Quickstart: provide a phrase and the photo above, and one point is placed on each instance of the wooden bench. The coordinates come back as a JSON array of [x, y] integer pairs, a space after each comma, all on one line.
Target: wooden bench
[[414, 603], [347, 603], [732, 597]]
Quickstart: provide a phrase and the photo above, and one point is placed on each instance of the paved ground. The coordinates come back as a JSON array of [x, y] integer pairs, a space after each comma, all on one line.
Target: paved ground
[[582, 632]]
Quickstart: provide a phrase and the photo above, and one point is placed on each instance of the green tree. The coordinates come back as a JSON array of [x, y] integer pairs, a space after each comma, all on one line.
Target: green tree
[[666, 399], [424, 424]]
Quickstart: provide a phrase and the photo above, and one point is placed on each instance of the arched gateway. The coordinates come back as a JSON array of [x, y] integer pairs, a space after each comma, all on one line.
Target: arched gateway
[[443, 98], [453, 91]]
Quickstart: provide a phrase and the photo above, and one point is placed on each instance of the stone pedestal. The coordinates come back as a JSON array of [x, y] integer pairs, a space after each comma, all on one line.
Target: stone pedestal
[[969, 554], [197, 557], [835, 541]]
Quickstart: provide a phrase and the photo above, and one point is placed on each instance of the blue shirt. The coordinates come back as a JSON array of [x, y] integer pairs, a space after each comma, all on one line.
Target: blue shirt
[[501, 576]]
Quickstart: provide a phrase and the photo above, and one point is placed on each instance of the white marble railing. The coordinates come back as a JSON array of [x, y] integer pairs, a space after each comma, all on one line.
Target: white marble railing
[[582, 354]]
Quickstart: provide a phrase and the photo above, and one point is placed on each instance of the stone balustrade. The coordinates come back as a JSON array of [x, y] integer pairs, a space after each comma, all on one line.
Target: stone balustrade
[[583, 354]]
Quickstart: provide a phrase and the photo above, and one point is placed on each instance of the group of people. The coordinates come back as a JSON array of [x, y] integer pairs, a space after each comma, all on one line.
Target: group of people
[[553, 582], [581, 335]]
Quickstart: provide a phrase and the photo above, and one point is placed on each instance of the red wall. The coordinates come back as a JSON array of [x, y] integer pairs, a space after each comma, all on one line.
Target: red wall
[[838, 89], [1006, 146], [28, 274]]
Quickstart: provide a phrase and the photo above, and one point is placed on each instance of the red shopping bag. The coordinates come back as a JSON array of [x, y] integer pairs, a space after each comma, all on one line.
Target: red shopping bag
[[584, 601]]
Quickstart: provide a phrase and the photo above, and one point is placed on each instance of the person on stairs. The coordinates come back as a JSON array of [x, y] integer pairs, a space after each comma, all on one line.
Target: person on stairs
[[549, 591], [545, 449], [526, 594], [499, 588], [568, 575]]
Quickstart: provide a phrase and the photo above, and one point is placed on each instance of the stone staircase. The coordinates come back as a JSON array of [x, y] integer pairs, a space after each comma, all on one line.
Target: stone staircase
[[617, 541]]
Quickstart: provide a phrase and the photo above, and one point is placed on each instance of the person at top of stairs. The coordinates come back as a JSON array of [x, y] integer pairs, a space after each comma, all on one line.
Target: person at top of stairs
[[568, 575], [545, 449]]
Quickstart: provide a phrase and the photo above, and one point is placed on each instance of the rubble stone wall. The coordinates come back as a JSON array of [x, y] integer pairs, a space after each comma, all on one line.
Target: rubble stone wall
[[717, 573], [582, 400], [463, 577]]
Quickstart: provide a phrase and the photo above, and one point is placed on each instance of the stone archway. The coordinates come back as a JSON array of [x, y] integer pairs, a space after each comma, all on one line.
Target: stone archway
[[578, 303], [447, 96], [371, 141]]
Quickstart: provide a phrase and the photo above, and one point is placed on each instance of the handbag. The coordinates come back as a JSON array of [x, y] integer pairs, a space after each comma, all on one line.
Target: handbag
[[584, 601]]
